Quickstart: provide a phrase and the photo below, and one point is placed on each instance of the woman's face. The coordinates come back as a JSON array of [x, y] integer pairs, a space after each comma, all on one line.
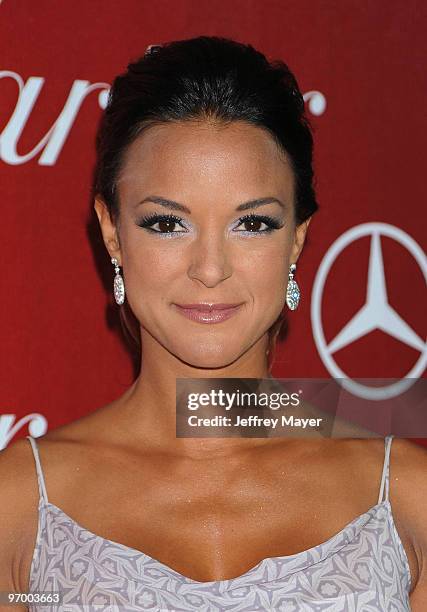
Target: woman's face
[[201, 249]]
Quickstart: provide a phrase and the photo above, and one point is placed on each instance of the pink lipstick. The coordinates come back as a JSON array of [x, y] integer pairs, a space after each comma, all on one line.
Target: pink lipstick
[[208, 313]]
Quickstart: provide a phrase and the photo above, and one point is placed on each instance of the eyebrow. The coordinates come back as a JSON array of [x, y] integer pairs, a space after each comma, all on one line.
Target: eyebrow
[[176, 206]]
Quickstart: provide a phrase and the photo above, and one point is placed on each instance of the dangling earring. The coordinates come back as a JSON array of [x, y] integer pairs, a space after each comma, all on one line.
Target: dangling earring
[[119, 285], [292, 292]]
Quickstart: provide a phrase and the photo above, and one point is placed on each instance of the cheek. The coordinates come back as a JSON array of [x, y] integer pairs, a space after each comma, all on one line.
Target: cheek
[[264, 269], [152, 267]]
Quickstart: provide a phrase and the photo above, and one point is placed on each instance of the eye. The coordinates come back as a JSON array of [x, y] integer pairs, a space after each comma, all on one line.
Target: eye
[[166, 224], [254, 224]]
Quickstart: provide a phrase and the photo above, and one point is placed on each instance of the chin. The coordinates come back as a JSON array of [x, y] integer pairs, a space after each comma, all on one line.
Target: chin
[[210, 357]]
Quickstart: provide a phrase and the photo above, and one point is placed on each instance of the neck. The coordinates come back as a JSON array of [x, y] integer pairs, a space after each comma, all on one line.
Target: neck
[[148, 408]]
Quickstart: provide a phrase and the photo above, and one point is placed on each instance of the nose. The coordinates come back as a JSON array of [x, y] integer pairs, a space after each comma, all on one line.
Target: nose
[[210, 261]]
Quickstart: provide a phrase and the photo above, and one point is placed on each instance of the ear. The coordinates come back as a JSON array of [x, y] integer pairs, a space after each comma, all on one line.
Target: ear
[[108, 229], [299, 239]]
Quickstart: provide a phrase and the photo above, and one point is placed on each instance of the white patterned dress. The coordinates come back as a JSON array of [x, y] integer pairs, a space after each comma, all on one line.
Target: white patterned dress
[[363, 568]]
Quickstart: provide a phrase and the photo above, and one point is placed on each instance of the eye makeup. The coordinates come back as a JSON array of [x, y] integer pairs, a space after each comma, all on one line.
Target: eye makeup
[[169, 221]]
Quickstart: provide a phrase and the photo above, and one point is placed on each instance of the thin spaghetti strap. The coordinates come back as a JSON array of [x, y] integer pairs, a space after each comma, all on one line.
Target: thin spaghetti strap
[[40, 477], [386, 469]]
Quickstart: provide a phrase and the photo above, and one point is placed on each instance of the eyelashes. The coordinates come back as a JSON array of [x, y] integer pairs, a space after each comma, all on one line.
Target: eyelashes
[[167, 224], [168, 221]]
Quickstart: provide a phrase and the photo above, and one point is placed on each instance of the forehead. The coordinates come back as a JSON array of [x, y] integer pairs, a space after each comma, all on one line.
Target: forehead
[[184, 157]]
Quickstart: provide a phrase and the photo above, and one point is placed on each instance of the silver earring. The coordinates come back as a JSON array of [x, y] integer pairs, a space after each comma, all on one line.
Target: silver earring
[[119, 285], [293, 292]]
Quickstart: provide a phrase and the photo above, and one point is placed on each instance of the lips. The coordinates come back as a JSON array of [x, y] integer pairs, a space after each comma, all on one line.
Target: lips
[[207, 313], [207, 307]]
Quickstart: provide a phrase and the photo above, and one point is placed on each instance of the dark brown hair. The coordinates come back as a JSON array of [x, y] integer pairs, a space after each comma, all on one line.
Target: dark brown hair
[[204, 77]]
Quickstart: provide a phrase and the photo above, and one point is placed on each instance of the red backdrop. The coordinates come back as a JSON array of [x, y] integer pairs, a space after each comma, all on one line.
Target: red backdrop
[[62, 354]]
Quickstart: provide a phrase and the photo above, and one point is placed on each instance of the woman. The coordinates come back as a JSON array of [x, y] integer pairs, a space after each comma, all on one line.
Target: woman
[[204, 195]]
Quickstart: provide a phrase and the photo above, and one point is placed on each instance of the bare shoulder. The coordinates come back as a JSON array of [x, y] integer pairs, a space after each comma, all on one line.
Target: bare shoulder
[[18, 509], [407, 471], [407, 493], [410, 457], [19, 495], [408, 487], [408, 498]]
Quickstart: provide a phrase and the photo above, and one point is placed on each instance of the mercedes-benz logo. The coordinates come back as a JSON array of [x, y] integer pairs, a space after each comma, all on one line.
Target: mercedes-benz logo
[[376, 313]]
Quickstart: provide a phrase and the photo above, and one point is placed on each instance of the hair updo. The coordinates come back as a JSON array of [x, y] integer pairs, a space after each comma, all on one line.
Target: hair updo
[[207, 77]]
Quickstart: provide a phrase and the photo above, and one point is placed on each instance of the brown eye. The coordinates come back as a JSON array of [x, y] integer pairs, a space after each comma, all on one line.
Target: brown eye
[[253, 225], [259, 224], [166, 226]]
